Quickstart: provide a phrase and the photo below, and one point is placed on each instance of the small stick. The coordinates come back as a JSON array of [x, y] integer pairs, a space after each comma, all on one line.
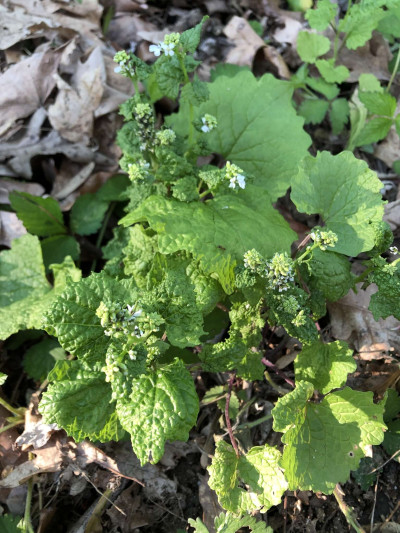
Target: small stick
[[228, 420], [347, 510], [277, 371], [374, 505]]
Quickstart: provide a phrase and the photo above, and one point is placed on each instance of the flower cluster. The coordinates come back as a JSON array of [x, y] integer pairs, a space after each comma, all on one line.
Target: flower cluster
[[145, 122], [394, 250], [253, 260], [138, 171], [120, 321], [165, 137], [324, 238], [125, 66], [209, 123], [167, 46], [234, 174], [279, 271]]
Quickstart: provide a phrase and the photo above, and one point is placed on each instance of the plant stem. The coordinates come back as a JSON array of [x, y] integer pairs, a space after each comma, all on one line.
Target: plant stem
[[14, 410], [278, 371], [347, 511], [228, 420], [204, 193], [395, 69], [249, 425], [191, 108], [13, 424], [27, 515], [103, 230]]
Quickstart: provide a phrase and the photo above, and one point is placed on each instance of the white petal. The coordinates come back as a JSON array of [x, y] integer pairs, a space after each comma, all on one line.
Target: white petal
[[241, 181], [205, 129], [117, 70]]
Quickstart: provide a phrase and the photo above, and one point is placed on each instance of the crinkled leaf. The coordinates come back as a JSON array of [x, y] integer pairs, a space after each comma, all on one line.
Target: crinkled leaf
[[330, 73], [228, 523], [163, 406], [339, 114], [312, 459], [346, 193], [378, 103], [56, 248], [385, 302], [72, 317], [326, 366], [320, 17], [256, 124], [80, 403], [23, 286], [190, 39], [227, 229], [169, 76], [87, 214], [258, 470], [40, 216], [313, 111], [40, 358], [329, 273], [310, 46]]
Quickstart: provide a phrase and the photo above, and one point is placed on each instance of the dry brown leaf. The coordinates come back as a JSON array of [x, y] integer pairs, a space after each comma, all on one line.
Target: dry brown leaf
[[17, 26], [351, 321], [373, 58], [10, 228], [289, 28], [126, 29], [24, 87], [8, 185], [247, 43], [72, 113], [392, 214], [209, 503]]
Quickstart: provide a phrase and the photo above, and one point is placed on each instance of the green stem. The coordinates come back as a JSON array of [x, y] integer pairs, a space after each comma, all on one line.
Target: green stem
[[15, 411], [249, 425], [13, 424], [191, 108], [307, 252], [395, 69], [27, 515], [103, 230], [136, 86], [204, 193]]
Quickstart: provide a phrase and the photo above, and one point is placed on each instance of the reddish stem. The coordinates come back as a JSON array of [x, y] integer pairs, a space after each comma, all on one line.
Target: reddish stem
[[228, 420], [278, 371]]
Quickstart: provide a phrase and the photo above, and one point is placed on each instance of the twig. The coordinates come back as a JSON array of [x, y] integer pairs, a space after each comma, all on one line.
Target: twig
[[277, 371], [386, 462], [228, 420], [390, 516], [374, 505], [27, 515], [347, 510]]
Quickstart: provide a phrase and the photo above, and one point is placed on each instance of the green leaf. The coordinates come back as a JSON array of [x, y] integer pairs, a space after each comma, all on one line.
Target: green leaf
[[87, 214], [375, 130], [80, 402], [385, 302], [227, 69], [329, 90], [256, 124], [258, 470], [320, 17], [72, 317], [328, 273], [3, 378], [9, 524], [310, 46], [392, 405], [359, 23], [163, 406], [228, 523], [312, 459], [23, 286], [378, 103], [339, 114], [389, 25], [369, 83], [40, 216], [313, 111], [326, 366], [169, 76], [364, 475], [190, 39], [114, 188], [227, 229], [195, 93], [392, 438], [40, 358], [346, 193], [397, 125], [330, 73], [56, 248]]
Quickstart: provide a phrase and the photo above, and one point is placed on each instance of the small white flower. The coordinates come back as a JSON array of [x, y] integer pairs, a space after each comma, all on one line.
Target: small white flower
[[241, 181], [156, 49], [204, 127], [168, 48], [118, 70]]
